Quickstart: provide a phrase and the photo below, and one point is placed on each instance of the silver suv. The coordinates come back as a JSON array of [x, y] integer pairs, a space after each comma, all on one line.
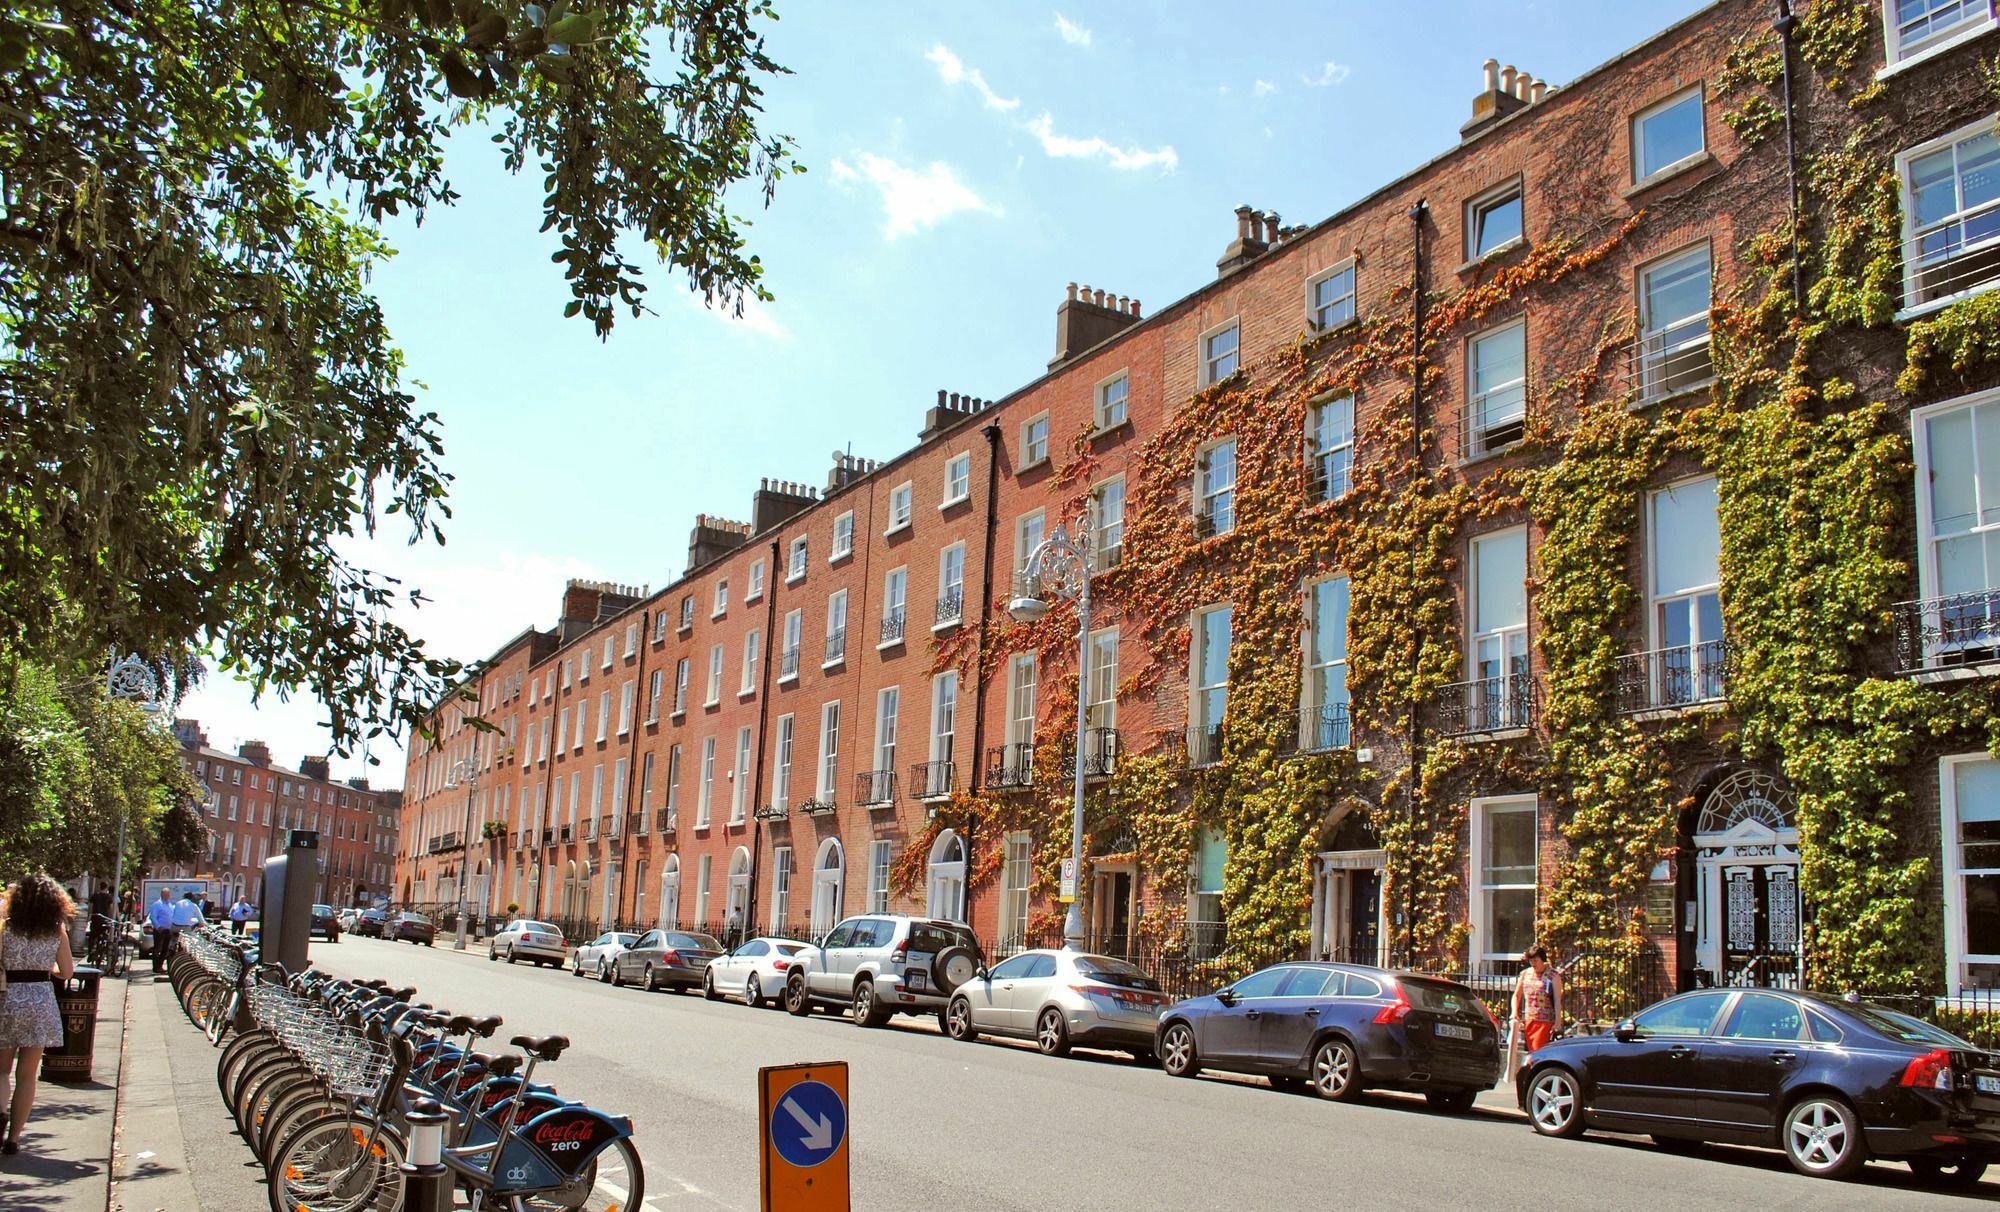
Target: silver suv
[[882, 965]]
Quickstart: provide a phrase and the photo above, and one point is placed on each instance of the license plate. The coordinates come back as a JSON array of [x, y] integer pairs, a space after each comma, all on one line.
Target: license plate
[[914, 980], [1453, 1031], [1988, 1085]]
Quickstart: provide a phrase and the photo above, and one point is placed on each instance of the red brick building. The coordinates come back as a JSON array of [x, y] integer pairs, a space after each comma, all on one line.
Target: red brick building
[[252, 805], [831, 712]]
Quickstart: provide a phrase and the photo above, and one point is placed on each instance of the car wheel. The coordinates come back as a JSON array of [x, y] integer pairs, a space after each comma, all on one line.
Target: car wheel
[[1822, 1138], [492, 953], [576, 968], [652, 986], [958, 1021], [1555, 1105], [603, 972], [1177, 1054], [867, 1010], [1336, 1071], [708, 986], [796, 1001], [1451, 1102], [617, 977], [1949, 1176], [510, 955], [753, 992], [1052, 1033]]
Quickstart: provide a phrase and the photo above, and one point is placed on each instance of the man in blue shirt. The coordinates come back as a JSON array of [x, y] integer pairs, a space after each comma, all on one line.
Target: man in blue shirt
[[160, 916]]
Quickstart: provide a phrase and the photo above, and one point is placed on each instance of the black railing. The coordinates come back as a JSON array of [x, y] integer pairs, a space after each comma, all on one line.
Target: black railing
[[1010, 766], [950, 607], [568, 833], [1953, 256], [1204, 745], [875, 788], [1486, 705], [1959, 632], [788, 664], [666, 820], [822, 805], [1669, 361], [934, 780], [1670, 678], [1100, 755], [1970, 1014], [1323, 728], [836, 646], [892, 626], [548, 837]]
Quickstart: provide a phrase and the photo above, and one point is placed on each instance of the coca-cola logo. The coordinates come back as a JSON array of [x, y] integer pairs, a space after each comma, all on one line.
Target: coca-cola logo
[[555, 1133]]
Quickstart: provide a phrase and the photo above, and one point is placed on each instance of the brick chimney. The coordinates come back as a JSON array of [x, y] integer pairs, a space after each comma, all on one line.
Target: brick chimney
[[714, 537], [1088, 317], [1503, 90], [315, 768], [189, 733], [1255, 233], [846, 470], [585, 603], [257, 753], [778, 500], [950, 409]]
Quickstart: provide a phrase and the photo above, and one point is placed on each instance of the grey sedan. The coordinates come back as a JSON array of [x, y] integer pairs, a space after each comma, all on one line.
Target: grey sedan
[[1060, 999]]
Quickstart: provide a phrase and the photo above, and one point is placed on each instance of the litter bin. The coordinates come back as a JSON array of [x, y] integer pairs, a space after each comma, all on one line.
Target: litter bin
[[76, 1001]]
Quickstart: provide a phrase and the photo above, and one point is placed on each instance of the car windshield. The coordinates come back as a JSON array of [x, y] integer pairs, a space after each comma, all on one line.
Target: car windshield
[[1437, 997], [543, 927], [624, 940], [1899, 1026], [323, 910], [933, 937], [1114, 972], [790, 948], [690, 942]]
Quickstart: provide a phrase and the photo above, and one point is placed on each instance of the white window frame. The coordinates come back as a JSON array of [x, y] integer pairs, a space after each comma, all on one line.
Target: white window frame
[[1107, 536], [1017, 883], [781, 778], [888, 712], [753, 588], [1477, 442], [881, 859], [1320, 455], [716, 660], [1919, 50], [610, 645], [1310, 700], [957, 479], [794, 640], [948, 581], [1023, 676], [1198, 714], [1476, 208], [797, 558], [686, 620], [603, 715], [836, 613], [1954, 872], [1658, 603], [1102, 403], [1638, 135], [1029, 441], [704, 803], [1022, 548], [1504, 636], [781, 887], [843, 538], [626, 695], [1206, 492], [895, 599], [1904, 161], [656, 689], [902, 510], [1661, 343], [631, 638], [1208, 361], [753, 653], [1314, 308], [944, 717], [682, 671], [1481, 916], [829, 752], [739, 794], [721, 599], [1101, 697]]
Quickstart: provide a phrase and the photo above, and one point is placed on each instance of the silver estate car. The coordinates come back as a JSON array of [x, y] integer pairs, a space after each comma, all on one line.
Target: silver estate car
[[536, 942], [1060, 999]]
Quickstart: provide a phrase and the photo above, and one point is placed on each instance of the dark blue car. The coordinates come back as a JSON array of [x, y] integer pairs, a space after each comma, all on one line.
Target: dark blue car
[[1342, 1029], [1832, 1082]]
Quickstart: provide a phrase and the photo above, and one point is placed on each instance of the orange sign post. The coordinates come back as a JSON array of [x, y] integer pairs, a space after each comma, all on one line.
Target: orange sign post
[[802, 1113]]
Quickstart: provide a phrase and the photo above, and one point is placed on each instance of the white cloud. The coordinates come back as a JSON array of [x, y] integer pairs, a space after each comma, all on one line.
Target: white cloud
[[1072, 33], [1330, 75], [1263, 88], [952, 70], [1067, 147], [914, 198], [756, 316]]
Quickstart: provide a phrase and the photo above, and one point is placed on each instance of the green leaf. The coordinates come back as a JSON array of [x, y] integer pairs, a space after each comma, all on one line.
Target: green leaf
[[577, 27]]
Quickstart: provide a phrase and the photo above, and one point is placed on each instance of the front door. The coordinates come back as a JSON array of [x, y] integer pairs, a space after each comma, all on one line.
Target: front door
[[1111, 910], [1760, 925], [1347, 908]]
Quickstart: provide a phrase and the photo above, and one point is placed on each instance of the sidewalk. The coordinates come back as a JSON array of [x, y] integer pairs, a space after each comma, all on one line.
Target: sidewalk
[[178, 1150], [65, 1158]]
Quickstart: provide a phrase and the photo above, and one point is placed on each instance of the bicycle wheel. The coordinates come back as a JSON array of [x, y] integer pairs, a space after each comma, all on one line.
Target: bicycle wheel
[[254, 1098], [203, 998], [341, 1164], [244, 1053], [291, 1116], [614, 1180]]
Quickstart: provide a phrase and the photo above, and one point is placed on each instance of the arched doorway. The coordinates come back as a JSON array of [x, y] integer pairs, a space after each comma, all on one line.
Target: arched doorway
[[670, 891], [945, 886], [735, 915], [1347, 919], [1746, 838], [829, 878]]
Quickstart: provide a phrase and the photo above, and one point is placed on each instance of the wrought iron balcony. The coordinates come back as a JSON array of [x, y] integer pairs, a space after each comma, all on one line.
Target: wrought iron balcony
[[666, 820], [1487, 705], [1010, 766], [892, 626], [1668, 679], [950, 607], [788, 664], [1204, 745], [590, 829], [1949, 637], [433, 846], [609, 825], [548, 837], [1323, 728], [836, 646], [568, 834], [875, 788], [1669, 361], [1953, 257], [934, 780], [637, 825], [821, 805], [1100, 754]]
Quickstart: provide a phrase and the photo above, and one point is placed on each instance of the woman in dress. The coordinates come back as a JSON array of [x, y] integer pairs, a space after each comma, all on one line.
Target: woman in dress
[[34, 946]]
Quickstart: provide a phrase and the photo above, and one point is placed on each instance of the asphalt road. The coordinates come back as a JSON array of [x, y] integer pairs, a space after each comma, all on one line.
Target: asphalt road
[[938, 1124]]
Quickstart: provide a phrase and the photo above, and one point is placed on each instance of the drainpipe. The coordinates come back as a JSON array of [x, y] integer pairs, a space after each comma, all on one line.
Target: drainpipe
[[757, 750], [1784, 26], [1417, 215], [991, 432]]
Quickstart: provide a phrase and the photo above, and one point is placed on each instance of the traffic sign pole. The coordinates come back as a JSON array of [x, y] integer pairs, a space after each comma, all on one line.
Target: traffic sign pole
[[803, 1127]]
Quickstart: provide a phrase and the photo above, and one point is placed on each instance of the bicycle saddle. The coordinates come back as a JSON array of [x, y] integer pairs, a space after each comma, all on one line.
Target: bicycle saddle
[[485, 1027], [504, 1066], [543, 1047], [457, 1024]]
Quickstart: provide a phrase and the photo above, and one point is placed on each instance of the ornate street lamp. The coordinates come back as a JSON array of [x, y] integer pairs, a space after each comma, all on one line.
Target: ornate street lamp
[[466, 771], [1059, 566]]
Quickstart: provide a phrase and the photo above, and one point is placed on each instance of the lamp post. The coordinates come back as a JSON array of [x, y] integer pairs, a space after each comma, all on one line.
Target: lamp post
[[464, 770], [1059, 566]]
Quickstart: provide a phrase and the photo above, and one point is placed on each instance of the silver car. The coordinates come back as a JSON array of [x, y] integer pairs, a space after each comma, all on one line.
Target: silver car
[[594, 957], [536, 942], [754, 971], [1060, 999]]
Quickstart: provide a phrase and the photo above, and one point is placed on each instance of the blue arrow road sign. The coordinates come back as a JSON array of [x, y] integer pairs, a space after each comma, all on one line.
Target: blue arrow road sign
[[808, 1124]]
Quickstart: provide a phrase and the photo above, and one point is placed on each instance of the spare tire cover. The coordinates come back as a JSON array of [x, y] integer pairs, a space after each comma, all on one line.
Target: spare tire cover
[[952, 967]]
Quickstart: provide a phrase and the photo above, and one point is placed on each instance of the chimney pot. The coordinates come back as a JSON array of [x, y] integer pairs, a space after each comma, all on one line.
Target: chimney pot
[[1135, 307], [1243, 215], [1271, 230], [1490, 71], [1537, 91], [1521, 83], [1097, 297], [1508, 75], [940, 397], [1072, 292]]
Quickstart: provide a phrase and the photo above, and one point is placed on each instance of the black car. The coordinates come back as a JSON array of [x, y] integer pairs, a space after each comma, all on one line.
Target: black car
[[1340, 1028], [370, 923], [408, 927], [325, 924], [671, 959], [1831, 1081]]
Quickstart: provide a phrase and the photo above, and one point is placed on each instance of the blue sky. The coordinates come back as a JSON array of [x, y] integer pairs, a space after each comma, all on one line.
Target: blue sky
[[966, 161]]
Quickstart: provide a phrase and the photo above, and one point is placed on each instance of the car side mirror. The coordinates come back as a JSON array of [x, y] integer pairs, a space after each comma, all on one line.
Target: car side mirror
[[980, 973], [1225, 997], [1625, 1032]]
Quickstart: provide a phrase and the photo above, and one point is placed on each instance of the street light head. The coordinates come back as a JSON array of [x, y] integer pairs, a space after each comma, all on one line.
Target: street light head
[[1027, 609]]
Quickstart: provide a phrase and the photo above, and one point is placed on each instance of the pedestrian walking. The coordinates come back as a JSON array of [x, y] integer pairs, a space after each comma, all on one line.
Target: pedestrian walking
[[239, 915], [34, 945], [1537, 1002], [160, 916], [188, 912], [732, 929]]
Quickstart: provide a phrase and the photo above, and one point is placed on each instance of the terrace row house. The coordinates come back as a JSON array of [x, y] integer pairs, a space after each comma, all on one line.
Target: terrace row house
[[1652, 617], [251, 805]]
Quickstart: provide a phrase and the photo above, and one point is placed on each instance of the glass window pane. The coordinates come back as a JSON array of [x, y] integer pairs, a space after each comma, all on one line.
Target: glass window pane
[[1497, 222], [1211, 853], [1948, 442], [1261, 984], [1687, 541], [1676, 291], [1670, 135], [1510, 845], [1511, 920], [1500, 593], [1329, 621], [1933, 187], [1215, 647], [1765, 1016], [1982, 914], [1687, 1015], [1307, 982]]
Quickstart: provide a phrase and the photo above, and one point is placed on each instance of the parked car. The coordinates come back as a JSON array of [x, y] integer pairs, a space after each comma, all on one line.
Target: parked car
[[371, 923], [410, 927], [594, 957], [348, 917], [1340, 1029], [325, 924], [672, 959], [883, 965], [1060, 999], [1831, 1081], [536, 942], [754, 971]]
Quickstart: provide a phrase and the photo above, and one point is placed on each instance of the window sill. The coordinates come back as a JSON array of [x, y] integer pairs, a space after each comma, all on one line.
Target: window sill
[[833, 662], [1035, 465], [744, 694], [1351, 322], [1982, 27], [677, 716], [1712, 707], [789, 679], [895, 530], [710, 703], [955, 501], [652, 721], [1668, 397], [684, 629], [1671, 172], [886, 645], [1101, 432], [753, 599], [794, 578], [1504, 734], [1936, 305], [947, 625], [717, 615], [1500, 253], [1487, 455], [840, 557]]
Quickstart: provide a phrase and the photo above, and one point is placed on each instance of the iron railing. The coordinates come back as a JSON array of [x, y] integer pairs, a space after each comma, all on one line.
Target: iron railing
[[1485, 705], [821, 805], [1970, 1014], [836, 646], [1323, 728], [950, 607], [875, 788], [568, 834], [1204, 745], [1952, 257], [1496, 419], [666, 820], [1669, 678], [1957, 632], [788, 664], [548, 837], [934, 780], [1669, 361], [1100, 755], [589, 829], [1010, 766], [637, 825], [892, 626]]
